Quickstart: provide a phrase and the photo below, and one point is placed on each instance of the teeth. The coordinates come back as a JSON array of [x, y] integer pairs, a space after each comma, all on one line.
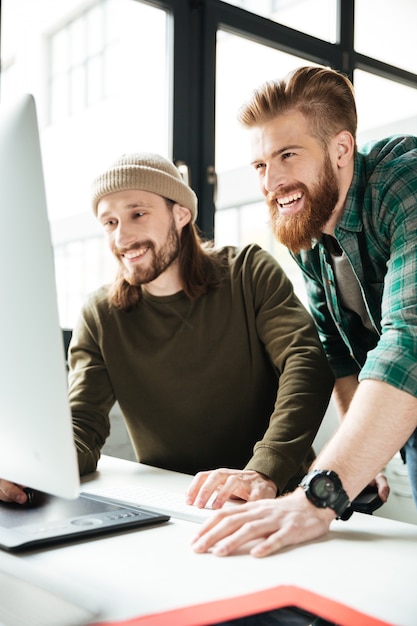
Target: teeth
[[288, 199], [134, 253]]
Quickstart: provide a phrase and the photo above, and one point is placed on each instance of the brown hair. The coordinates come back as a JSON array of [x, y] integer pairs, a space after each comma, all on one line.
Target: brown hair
[[324, 96], [201, 269]]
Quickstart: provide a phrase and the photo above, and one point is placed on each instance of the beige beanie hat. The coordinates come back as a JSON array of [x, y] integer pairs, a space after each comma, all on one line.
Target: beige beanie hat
[[146, 171]]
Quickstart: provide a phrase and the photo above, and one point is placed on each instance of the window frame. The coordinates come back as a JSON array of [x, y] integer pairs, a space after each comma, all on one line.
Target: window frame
[[194, 25]]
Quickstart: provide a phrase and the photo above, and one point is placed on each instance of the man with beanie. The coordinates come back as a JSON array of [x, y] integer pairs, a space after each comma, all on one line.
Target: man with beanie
[[216, 365]]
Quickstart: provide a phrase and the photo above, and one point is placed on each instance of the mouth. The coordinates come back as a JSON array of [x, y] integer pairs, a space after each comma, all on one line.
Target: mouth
[[135, 254], [290, 204]]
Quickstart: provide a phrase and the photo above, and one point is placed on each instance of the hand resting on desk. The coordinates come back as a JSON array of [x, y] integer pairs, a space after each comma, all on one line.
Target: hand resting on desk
[[223, 484], [271, 524]]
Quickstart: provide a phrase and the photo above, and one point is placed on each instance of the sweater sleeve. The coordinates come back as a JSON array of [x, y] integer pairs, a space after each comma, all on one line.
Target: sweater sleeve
[[305, 378], [90, 392]]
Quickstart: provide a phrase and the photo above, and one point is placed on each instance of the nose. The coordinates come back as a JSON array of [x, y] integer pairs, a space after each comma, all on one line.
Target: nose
[[124, 234], [273, 179]]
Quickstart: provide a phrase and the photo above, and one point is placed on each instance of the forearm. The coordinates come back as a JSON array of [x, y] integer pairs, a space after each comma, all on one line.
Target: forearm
[[344, 390], [88, 452], [91, 397], [379, 421]]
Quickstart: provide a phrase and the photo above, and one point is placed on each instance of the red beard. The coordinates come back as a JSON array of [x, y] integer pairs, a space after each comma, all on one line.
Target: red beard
[[298, 231]]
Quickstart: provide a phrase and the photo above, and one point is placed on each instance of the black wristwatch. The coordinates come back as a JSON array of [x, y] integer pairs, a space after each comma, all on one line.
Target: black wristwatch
[[324, 489]]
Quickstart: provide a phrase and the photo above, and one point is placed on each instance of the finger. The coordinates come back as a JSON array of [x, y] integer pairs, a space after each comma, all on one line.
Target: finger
[[269, 546], [195, 486], [9, 492], [225, 529], [276, 541], [207, 527], [213, 483], [234, 486], [266, 532], [245, 487], [289, 534], [383, 487]]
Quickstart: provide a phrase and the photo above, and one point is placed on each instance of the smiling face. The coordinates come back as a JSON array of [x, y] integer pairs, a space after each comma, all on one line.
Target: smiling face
[[297, 177], [143, 234]]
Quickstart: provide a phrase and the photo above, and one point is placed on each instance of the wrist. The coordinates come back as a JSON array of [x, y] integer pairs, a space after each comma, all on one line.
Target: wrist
[[324, 489]]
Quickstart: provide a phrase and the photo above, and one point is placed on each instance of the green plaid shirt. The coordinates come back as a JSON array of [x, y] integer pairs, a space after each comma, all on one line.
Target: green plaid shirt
[[378, 233]]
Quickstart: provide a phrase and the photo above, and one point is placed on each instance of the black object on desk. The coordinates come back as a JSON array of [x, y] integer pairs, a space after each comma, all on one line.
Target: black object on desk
[[367, 501]]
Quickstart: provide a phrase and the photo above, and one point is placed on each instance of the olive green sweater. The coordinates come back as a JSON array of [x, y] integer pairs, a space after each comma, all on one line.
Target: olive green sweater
[[236, 378]]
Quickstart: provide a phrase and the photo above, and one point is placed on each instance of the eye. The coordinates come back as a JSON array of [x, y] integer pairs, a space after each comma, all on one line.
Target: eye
[[287, 155], [259, 166], [108, 223]]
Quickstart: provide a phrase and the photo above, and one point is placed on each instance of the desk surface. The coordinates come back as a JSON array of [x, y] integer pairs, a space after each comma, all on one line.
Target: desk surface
[[363, 572]]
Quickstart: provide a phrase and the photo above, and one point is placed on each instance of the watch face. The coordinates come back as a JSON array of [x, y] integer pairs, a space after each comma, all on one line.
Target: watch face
[[323, 487]]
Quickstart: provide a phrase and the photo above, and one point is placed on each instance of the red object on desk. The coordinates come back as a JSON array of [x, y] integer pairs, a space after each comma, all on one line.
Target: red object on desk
[[249, 604]]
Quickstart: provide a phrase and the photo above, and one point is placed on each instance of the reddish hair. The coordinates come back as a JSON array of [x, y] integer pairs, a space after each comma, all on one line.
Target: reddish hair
[[324, 96]]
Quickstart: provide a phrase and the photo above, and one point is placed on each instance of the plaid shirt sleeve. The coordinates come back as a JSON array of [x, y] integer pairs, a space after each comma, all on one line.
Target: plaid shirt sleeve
[[394, 238], [378, 231]]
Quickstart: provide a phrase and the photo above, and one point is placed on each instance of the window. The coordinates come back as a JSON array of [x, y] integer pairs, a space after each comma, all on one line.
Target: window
[[80, 55], [112, 76], [313, 17], [385, 107], [385, 30], [241, 214], [103, 90]]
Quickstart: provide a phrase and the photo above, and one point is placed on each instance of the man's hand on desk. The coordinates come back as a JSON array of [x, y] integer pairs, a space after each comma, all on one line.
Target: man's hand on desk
[[10, 492], [271, 524], [229, 483]]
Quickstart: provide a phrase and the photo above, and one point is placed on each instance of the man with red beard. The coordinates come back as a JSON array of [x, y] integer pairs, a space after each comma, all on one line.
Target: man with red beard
[[349, 219], [216, 365]]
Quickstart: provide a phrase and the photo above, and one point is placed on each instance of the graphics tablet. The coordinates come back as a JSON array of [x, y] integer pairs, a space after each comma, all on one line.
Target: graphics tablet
[[51, 519]]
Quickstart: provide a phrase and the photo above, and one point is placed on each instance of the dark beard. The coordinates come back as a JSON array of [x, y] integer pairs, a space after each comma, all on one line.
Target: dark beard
[[162, 259], [297, 231]]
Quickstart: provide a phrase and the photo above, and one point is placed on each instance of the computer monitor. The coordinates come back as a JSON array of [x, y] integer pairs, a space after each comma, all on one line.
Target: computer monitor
[[36, 439], [37, 447]]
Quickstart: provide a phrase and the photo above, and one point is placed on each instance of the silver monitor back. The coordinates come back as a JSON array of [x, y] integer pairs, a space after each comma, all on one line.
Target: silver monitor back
[[36, 439]]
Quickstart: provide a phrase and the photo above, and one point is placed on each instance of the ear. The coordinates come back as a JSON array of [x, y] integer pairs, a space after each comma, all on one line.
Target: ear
[[182, 215], [344, 145]]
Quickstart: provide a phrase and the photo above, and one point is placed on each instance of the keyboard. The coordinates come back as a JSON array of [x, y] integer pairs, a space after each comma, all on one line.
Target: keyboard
[[26, 598], [160, 501]]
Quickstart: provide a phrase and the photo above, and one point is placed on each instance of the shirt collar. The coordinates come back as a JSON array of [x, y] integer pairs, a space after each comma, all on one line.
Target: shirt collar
[[351, 218]]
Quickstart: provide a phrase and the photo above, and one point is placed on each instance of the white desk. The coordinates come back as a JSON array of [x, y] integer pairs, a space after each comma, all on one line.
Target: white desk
[[363, 573]]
